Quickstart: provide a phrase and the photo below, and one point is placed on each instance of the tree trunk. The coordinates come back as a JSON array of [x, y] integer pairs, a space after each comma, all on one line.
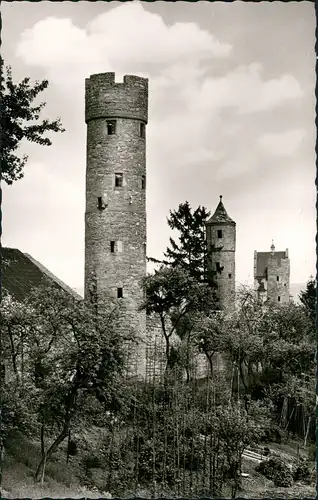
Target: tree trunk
[[68, 447], [60, 438], [13, 356], [242, 377], [307, 432], [42, 440], [51, 450]]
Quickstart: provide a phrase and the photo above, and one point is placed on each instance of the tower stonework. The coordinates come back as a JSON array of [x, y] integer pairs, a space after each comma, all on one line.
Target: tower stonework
[[116, 115], [272, 276], [221, 235]]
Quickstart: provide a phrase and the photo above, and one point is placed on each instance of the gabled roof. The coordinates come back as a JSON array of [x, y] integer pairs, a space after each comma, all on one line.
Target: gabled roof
[[20, 273], [262, 261], [220, 215]]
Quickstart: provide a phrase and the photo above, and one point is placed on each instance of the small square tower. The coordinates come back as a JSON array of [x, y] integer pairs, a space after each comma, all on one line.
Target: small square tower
[[272, 276]]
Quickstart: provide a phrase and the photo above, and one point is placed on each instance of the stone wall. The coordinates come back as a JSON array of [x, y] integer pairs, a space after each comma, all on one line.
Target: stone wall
[[278, 280], [226, 259], [116, 213]]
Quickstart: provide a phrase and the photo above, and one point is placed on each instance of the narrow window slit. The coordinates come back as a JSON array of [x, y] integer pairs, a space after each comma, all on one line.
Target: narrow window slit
[[142, 130], [101, 205], [119, 180], [111, 127]]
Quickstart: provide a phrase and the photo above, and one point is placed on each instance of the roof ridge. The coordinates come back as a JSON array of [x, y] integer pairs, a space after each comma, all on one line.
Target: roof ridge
[[53, 277]]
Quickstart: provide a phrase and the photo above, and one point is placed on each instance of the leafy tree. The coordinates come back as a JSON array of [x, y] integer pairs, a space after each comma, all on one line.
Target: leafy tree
[[237, 429], [208, 337], [273, 351], [308, 298], [173, 294], [20, 120], [68, 357]]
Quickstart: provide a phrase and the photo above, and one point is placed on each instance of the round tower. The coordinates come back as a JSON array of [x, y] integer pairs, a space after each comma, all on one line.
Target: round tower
[[116, 115], [221, 238]]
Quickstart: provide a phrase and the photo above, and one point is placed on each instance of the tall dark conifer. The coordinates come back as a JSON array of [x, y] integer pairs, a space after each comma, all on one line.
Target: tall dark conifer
[[190, 251]]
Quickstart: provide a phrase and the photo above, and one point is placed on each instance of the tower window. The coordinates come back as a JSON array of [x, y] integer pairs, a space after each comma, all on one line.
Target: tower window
[[143, 182], [116, 246], [230, 275], [111, 127], [118, 180], [278, 298], [277, 278], [142, 130], [119, 293], [100, 203], [218, 267], [220, 233]]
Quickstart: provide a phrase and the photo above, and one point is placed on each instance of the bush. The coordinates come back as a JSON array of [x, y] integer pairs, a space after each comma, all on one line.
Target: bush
[[72, 448], [312, 452], [273, 434], [302, 471], [278, 471], [91, 462]]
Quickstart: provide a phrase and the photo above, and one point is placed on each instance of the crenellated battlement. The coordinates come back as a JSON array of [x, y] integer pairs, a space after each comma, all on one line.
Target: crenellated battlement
[[109, 79], [106, 98]]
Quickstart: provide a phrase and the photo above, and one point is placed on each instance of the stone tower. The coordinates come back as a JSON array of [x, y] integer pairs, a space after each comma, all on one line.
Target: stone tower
[[272, 275], [116, 115], [221, 234]]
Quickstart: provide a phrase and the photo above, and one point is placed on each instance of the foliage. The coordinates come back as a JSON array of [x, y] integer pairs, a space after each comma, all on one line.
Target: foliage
[[91, 462], [303, 471], [19, 120], [308, 298], [69, 354], [312, 452], [184, 437], [191, 252], [175, 296], [277, 470]]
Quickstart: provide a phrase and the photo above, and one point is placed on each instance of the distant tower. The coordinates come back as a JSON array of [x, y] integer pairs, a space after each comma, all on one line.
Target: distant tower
[[221, 233], [116, 115], [272, 275]]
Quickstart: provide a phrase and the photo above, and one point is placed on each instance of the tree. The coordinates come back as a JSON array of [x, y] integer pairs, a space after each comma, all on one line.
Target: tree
[[208, 336], [68, 357], [308, 298], [191, 252], [20, 120], [173, 294]]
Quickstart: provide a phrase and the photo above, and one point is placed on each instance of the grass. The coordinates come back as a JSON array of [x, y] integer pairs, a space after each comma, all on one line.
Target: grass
[[257, 486], [62, 479]]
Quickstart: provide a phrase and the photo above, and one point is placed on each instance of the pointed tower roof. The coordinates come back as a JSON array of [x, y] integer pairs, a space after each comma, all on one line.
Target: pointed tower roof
[[220, 215]]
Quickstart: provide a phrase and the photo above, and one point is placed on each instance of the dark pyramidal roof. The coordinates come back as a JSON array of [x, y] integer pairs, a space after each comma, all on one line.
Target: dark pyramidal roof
[[220, 215], [20, 273]]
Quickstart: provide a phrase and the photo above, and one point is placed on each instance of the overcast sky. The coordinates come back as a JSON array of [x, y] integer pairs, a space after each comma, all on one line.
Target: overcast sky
[[231, 112]]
